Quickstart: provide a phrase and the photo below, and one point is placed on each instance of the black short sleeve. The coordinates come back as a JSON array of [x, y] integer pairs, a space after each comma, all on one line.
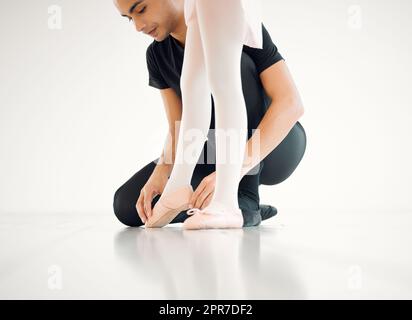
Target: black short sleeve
[[266, 56], [155, 78]]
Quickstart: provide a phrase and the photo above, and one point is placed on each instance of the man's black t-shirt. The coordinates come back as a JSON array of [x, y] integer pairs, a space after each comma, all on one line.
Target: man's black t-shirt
[[165, 60]]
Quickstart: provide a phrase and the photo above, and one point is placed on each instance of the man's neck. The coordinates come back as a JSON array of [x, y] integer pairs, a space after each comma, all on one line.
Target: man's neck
[[179, 32]]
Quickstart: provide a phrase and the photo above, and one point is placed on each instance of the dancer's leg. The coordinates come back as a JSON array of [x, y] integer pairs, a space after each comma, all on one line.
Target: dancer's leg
[[222, 28], [196, 115]]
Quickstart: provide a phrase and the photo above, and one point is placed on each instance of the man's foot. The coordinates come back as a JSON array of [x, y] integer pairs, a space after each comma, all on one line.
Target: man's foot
[[267, 211], [253, 218]]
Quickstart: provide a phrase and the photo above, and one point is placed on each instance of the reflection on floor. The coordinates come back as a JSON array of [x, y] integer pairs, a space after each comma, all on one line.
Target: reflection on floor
[[296, 256]]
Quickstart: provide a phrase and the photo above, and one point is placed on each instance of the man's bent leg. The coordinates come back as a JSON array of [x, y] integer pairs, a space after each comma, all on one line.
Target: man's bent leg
[[284, 159]]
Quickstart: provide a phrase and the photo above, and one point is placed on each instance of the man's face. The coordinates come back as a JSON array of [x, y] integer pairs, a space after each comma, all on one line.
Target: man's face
[[148, 16]]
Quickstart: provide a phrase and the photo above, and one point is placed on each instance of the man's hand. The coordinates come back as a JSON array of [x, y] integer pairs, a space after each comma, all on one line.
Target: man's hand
[[203, 194], [154, 186]]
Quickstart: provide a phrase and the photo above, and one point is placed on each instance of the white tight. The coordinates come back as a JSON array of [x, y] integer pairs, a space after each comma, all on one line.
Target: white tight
[[213, 48]]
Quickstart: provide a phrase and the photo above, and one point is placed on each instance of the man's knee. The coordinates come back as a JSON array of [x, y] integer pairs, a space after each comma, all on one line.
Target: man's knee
[[281, 162], [125, 210]]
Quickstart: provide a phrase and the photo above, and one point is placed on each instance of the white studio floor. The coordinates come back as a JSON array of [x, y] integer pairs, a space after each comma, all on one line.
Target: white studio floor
[[291, 256]]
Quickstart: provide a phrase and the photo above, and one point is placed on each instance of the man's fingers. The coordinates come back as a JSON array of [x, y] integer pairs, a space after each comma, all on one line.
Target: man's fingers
[[148, 204], [207, 201], [201, 198], [140, 209], [197, 192]]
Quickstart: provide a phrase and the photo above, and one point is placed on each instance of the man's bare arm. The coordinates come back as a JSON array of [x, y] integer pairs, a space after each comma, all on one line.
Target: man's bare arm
[[173, 108], [283, 113]]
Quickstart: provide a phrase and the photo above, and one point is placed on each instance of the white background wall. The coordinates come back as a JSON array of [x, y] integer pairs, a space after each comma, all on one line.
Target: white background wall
[[77, 117]]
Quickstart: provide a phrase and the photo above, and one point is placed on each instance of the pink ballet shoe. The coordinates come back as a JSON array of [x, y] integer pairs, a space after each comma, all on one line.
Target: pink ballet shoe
[[220, 218], [168, 207]]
